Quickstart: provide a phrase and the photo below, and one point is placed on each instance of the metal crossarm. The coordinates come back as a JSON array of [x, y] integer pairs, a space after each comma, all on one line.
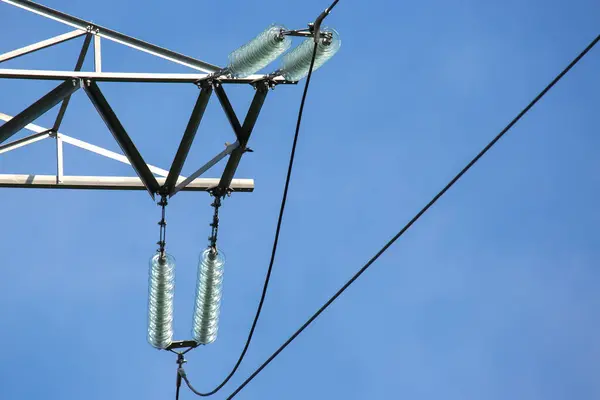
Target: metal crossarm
[[210, 78], [108, 183], [194, 78], [96, 182]]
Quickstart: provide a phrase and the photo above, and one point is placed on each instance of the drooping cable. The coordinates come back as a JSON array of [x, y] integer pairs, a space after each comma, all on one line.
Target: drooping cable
[[273, 253], [275, 242], [415, 218]]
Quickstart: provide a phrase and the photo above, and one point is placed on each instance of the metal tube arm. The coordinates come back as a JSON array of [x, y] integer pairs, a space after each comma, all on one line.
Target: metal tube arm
[[187, 139], [122, 138]]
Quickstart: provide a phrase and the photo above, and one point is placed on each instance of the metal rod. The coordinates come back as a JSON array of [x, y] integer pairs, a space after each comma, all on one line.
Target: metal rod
[[205, 168], [41, 45], [38, 108], [130, 76], [234, 159], [188, 138], [122, 138], [78, 66], [110, 183], [114, 35], [97, 54], [5, 148]]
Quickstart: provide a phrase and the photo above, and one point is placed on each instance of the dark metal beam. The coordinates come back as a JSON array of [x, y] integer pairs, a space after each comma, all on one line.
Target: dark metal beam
[[262, 89], [38, 108], [229, 112], [182, 344], [78, 66], [187, 139], [122, 138], [253, 112]]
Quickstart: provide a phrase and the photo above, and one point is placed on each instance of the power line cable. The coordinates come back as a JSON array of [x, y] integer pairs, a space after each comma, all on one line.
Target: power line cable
[[181, 371], [416, 217]]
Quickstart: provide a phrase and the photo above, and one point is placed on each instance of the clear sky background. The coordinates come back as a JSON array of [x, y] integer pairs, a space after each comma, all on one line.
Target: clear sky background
[[492, 295]]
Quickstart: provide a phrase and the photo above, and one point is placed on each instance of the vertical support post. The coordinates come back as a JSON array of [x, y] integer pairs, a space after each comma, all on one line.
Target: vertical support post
[[59, 159], [97, 54]]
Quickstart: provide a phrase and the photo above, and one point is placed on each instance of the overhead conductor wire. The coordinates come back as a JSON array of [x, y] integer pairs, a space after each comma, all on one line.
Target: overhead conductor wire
[[181, 371], [416, 217]]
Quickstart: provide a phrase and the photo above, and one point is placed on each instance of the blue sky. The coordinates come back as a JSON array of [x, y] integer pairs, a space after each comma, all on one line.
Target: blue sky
[[492, 295]]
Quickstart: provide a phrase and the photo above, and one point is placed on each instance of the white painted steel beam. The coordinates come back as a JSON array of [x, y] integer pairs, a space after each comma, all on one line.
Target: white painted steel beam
[[126, 76], [97, 54], [41, 45], [110, 183], [36, 137]]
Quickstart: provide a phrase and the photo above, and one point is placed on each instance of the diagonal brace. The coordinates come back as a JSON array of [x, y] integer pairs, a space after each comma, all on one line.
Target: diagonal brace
[[242, 132], [78, 66], [122, 138], [229, 112], [228, 150], [187, 139], [41, 45], [36, 137], [38, 108]]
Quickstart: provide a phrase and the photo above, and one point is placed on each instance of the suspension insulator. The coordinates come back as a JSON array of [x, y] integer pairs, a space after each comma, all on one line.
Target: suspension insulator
[[208, 296]]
